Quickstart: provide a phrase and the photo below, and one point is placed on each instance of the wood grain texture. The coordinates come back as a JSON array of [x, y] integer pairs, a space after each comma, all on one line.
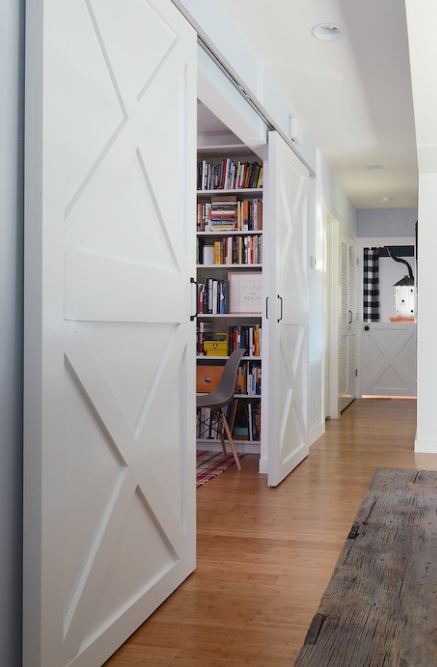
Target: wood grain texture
[[380, 608], [265, 556]]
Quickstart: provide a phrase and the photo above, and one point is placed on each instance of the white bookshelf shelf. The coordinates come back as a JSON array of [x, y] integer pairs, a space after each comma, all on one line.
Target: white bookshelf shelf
[[204, 357], [227, 149], [235, 316], [229, 266], [252, 232], [236, 191], [247, 395]]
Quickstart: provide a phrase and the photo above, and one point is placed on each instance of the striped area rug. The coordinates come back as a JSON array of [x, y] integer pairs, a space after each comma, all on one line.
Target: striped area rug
[[211, 464]]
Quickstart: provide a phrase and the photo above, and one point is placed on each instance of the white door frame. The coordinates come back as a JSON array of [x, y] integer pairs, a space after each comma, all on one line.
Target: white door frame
[[335, 233]]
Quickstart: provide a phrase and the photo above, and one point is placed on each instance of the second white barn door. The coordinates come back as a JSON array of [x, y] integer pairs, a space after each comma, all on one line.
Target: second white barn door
[[109, 376], [286, 255]]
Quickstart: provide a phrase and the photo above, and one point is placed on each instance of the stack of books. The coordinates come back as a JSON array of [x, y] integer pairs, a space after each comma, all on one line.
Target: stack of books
[[225, 214], [247, 337], [249, 379], [212, 297], [229, 175]]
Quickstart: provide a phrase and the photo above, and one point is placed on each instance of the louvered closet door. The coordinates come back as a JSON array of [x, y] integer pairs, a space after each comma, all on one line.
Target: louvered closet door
[[287, 368], [109, 384]]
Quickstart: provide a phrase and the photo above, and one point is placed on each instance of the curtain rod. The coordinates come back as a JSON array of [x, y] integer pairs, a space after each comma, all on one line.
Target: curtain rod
[[208, 46]]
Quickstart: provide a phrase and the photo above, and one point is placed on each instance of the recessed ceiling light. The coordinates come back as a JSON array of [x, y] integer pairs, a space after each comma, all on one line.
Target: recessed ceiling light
[[375, 167], [386, 199], [328, 32]]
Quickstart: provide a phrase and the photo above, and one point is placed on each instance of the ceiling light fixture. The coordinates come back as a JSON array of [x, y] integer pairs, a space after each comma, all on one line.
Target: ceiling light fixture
[[386, 199], [327, 32], [375, 167]]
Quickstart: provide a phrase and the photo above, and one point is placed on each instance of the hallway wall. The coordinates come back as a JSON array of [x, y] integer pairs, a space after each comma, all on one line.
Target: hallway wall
[[421, 19], [11, 288], [386, 222]]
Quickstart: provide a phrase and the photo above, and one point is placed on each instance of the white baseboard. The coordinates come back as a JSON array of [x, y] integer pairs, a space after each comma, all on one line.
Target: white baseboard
[[315, 432], [263, 465], [422, 446]]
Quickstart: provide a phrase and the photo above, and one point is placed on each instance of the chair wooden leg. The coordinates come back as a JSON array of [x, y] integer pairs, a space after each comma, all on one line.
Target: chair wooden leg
[[220, 431], [231, 442]]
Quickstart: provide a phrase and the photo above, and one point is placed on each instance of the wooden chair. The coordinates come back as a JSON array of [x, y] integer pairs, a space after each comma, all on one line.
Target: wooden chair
[[220, 397]]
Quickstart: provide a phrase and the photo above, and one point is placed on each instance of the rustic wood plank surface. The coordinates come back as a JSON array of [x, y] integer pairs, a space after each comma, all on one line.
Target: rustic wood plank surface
[[380, 607]]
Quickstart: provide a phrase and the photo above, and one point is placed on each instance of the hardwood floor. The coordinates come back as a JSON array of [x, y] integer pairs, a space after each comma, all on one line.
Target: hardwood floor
[[266, 555]]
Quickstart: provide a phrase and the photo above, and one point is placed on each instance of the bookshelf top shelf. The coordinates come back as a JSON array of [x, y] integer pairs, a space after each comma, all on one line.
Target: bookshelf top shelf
[[237, 191], [251, 232], [235, 316], [224, 150]]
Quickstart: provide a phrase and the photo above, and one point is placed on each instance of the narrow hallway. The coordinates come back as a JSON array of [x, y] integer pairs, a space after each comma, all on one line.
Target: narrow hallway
[[266, 555]]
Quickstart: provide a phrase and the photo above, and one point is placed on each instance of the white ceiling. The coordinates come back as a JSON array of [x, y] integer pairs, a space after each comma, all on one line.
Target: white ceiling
[[353, 95]]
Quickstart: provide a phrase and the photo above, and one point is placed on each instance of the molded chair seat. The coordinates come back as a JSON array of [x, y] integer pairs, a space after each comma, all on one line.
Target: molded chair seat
[[221, 397]]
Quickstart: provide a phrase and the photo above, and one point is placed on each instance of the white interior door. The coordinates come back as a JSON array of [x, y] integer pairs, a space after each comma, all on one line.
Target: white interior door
[[348, 322], [287, 369], [109, 345], [389, 359]]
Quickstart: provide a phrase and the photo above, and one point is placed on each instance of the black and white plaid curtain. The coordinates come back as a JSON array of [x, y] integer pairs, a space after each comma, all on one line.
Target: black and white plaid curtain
[[371, 285]]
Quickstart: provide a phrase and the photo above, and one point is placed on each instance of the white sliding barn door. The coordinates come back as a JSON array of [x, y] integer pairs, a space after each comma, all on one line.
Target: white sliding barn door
[[109, 346], [287, 370]]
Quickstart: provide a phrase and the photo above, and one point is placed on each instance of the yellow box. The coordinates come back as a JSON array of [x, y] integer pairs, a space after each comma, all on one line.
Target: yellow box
[[217, 348]]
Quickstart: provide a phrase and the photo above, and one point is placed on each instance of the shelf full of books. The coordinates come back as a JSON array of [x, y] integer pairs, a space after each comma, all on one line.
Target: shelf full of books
[[230, 251], [229, 174], [226, 213]]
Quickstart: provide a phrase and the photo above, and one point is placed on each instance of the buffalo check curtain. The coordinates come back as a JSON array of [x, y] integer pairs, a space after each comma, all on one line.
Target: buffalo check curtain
[[371, 285]]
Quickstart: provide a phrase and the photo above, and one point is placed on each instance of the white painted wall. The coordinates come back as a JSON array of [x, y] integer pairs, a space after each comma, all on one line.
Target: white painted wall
[[421, 22], [386, 222], [11, 287], [213, 19]]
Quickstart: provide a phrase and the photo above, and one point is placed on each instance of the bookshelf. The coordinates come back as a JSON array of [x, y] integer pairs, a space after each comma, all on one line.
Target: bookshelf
[[230, 225]]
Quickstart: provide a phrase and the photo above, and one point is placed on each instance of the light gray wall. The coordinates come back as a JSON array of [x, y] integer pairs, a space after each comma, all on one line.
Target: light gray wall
[[11, 287], [386, 222]]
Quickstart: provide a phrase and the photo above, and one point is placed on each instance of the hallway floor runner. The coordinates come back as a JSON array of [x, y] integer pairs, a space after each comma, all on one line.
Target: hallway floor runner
[[211, 464]]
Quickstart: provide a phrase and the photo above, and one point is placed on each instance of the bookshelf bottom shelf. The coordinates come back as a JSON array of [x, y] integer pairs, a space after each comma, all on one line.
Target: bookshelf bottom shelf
[[242, 446]]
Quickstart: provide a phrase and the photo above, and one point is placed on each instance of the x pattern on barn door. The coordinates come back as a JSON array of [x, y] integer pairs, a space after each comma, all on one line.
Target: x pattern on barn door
[[288, 182], [121, 109]]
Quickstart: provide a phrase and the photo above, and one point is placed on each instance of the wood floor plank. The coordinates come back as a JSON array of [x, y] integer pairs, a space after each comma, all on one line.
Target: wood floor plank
[[291, 536], [380, 608]]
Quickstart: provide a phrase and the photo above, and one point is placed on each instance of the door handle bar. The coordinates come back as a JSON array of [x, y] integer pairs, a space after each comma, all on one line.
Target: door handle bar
[[282, 307], [194, 282]]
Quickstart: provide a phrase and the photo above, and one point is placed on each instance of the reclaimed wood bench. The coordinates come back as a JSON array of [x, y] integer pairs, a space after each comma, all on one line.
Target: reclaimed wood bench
[[380, 607]]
